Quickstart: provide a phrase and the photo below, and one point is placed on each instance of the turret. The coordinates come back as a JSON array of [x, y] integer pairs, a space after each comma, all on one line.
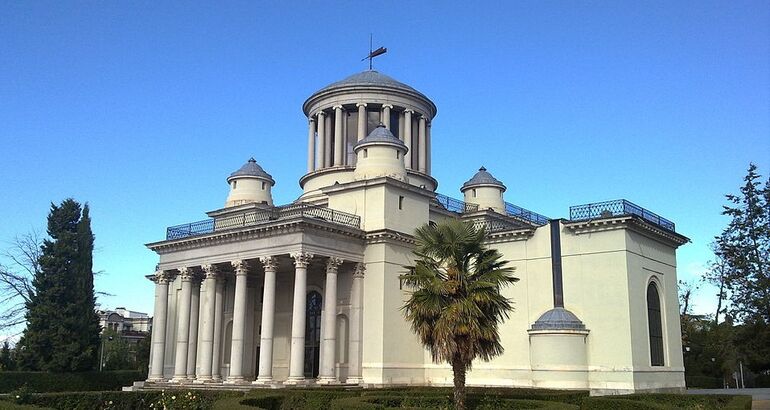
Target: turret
[[250, 184], [485, 191], [380, 154]]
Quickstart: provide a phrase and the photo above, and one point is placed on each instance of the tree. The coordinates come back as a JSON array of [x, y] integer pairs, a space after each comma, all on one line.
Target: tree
[[7, 362], [16, 279], [744, 246], [455, 304], [116, 354], [62, 332]]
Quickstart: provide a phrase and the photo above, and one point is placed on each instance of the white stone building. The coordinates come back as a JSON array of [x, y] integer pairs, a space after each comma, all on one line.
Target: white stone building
[[309, 292]]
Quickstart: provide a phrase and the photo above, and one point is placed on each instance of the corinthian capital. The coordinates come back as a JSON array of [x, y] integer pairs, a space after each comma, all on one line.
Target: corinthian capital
[[360, 270], [210, 271], [269, 262], [301, 259], [186, 274], [240, 266], [333, 264], [161, 277]]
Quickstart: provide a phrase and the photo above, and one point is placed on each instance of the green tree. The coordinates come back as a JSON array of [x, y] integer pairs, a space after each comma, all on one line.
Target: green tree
[[62, 332], [117, 354], [744, 247], [455, 302], [7, 362]]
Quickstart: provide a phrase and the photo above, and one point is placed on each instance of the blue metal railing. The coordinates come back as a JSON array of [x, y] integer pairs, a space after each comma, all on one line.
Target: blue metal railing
[[260, 216], [519, 212], [617, 207], [455, 205]]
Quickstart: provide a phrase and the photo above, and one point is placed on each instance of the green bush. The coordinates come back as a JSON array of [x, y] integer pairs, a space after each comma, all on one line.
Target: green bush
[[113, 400], [43, 382], [667, 401], [703, 382], [762, 380]]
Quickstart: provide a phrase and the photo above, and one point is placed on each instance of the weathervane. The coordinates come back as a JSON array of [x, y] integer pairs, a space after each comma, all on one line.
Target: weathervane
[[375, 53]]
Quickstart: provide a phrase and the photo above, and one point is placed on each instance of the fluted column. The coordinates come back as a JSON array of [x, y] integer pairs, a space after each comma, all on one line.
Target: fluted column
[[356, 306], [326, 373], [219, 307], [422, 158], [159, 326], [427, 148], [207, 335], [183, 326], [265, 374], [192, 339], [321, 152], [297, 361], [408, 137], [310, 144], [338, 140], [239, 323], [385, 119], [361, 120]]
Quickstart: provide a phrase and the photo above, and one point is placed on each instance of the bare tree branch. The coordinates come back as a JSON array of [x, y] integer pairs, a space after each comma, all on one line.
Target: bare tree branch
[[16, 277]]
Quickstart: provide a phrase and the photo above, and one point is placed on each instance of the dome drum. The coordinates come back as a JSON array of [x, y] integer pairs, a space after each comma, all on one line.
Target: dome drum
[[250, 184], [485, 191]]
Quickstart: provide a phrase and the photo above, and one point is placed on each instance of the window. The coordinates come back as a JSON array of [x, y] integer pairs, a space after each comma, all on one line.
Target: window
[[400, 202], [263, 185], [398, 155], [474, 192], [366, 153], [654, 325], [235, 184]]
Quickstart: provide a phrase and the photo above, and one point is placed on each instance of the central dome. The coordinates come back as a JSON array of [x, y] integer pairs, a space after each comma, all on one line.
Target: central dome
[[368, 78]]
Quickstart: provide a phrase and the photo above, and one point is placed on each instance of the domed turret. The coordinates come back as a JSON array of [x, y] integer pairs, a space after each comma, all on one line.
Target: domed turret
[[250, 184], [380, 154], [485, 191]]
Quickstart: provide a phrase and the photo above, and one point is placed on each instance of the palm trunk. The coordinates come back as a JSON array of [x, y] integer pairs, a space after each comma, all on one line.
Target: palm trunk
[[458, 368]]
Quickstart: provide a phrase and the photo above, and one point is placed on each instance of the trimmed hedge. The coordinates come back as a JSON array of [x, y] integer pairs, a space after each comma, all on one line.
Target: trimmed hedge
[[667, 401], [42, 382], [703, 382], [113, 400]]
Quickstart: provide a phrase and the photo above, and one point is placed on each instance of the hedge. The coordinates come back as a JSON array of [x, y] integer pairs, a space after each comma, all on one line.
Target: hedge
[[113, 400], [703, 382], [667, 401], [42, 382]]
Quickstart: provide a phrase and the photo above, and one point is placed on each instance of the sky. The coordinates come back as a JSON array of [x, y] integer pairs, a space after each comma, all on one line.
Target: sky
[[142, 109]]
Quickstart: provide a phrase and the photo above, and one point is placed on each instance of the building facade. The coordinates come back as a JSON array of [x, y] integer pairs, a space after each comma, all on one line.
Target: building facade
[[309, 292], [130, 325]]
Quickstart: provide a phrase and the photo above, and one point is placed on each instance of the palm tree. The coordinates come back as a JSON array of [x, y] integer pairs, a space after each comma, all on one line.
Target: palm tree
[[454, 303]]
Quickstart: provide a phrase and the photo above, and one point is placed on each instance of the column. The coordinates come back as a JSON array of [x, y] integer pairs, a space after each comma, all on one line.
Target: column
[[326, 372], [338, 140], [297, 358], [192, 339], [183, 326], [422, 158], [310, 144], [159, 326], [385, 118], [408, 138], [361, 120], [239, 323], [427, 148], [321, 141], [356, 304], [207, 336], [219, 306], [329, 147], [265, 374]]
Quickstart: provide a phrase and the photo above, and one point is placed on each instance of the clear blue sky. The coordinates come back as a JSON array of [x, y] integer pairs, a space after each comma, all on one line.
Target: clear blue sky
[[143, 108]]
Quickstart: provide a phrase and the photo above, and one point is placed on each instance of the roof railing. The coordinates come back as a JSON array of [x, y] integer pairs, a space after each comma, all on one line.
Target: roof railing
[[618, 207], [519, 212], [261, 216], [455, 205]]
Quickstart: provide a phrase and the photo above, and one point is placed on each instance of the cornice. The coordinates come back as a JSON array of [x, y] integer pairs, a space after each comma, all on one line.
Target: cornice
[[375, 182], [632, 222], [346, 90], [296, 225], [511, 235], [389, 236]]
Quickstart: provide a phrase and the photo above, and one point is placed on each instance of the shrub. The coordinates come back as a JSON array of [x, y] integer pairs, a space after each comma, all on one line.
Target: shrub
[[43, 382], [112, 400], [667, 401], [703, 382], [762, 380]]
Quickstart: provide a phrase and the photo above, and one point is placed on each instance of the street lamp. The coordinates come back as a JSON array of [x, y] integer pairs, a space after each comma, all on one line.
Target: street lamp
[[101, 355]]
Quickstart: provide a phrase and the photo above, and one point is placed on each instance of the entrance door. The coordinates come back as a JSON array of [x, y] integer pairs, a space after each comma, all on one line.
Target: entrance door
[[312, 334]]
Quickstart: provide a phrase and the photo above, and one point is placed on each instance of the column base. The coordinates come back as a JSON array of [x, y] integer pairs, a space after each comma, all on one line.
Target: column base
[[238, 380], [156, 380], [327, 380], [202, 380], [179, 380], [263, 381], [298, 381], [354, 380]]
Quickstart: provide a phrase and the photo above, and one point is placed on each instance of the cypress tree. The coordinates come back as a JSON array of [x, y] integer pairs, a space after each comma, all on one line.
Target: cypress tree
[[62, 332]]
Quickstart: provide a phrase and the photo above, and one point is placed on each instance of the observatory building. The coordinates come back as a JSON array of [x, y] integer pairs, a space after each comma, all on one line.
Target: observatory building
[[309, 292]]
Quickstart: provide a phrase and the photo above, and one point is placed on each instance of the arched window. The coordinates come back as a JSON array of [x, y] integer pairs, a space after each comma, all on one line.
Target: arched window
[[654, 325], [312, 333]]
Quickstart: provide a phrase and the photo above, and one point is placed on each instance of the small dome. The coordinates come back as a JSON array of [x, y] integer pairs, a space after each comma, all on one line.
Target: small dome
[[482, 178], [381, 136], [251, 169], [558, 319], [368, 78]]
